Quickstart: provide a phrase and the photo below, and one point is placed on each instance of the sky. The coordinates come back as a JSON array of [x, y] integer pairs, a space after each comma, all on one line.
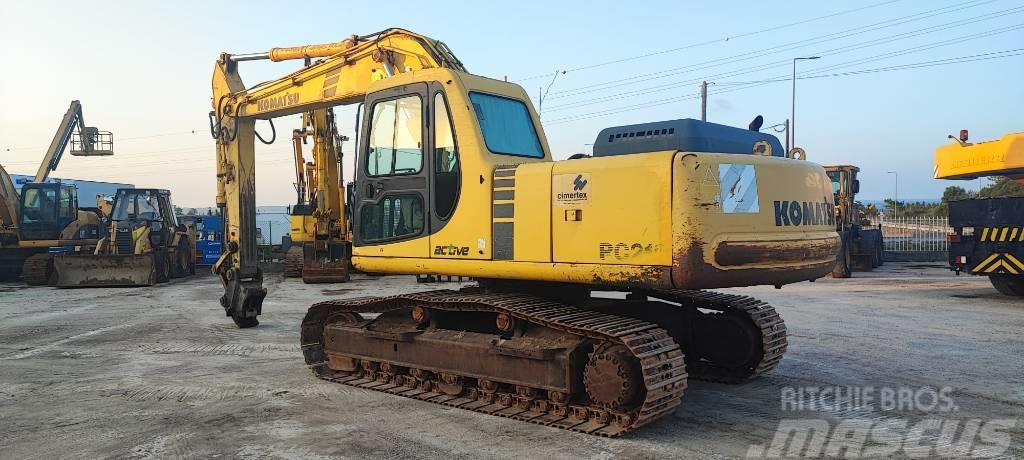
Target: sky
[[882, 98]]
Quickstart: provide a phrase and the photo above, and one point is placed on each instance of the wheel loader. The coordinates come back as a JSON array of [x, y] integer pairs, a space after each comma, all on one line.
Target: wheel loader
[[146, 246], [590, 313], [45, 217], [863, 247]]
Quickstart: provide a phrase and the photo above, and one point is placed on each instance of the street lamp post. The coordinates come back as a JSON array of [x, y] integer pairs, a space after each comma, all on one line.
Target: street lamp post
[[896, 195], [792, 116]]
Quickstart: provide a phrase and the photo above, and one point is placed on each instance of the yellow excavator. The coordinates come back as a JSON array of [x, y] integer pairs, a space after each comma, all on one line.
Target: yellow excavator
[[321, 249], [45, 214], [587, 315]]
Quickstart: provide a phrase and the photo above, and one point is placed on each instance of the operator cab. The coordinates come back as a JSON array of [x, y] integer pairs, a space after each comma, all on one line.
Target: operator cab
[[46, 209], [138, 206]]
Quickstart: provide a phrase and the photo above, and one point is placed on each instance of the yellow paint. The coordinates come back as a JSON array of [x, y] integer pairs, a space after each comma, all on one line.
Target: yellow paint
[[302, 228], [533, 212], [624, 219], [644, 219], [972, 161], [984, 234], [980, 267]]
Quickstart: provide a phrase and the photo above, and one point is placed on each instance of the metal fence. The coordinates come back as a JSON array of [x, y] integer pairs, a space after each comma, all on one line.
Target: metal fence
[[914, 234]]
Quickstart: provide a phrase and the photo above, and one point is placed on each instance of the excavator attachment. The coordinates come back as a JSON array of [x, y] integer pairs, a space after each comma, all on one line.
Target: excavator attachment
[[320, 272], [107, 270]]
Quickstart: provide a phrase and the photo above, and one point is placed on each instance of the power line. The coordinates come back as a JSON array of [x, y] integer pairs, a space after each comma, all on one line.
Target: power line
[[781, 63], [745, 85], [640, 78], [710, 42]]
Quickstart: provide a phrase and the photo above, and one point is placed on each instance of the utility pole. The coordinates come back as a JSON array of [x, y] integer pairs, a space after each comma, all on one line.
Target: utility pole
[[792, 116], [704, 100], [787, 137]]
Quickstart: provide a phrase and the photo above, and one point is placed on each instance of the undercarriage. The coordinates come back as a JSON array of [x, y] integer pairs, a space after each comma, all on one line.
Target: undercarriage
[[597, 365]]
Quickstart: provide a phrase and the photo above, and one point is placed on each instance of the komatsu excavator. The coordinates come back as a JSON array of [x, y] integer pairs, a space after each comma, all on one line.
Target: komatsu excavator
[[46, 214], [318, 225], [587, 315]]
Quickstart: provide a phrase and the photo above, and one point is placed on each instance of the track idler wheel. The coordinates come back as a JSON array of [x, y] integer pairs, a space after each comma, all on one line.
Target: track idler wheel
[[613, 378]]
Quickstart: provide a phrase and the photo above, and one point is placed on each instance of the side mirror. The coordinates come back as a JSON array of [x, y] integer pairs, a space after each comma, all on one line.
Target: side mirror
[[856, 186]]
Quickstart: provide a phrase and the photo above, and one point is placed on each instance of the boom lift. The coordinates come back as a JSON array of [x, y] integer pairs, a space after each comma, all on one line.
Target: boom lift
[[584, 317], [318, 223], [45, 214], [988, 233]]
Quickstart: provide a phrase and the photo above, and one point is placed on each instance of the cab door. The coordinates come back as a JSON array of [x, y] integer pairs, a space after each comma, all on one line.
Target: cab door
[[392, 176]]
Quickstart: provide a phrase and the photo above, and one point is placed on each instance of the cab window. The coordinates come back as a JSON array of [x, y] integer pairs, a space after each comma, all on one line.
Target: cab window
[[392, 218], [506, 125], [396, 137], [446, 160], [66, 203]]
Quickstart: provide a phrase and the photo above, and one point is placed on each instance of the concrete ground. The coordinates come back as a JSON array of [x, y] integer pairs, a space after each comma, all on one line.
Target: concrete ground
[[140, 373]]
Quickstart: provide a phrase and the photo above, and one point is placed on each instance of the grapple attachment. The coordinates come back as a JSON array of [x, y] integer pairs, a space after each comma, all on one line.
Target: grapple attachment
[[111, 270]]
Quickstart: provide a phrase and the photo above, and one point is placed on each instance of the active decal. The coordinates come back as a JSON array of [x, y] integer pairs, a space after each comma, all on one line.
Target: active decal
[[451, 250], [624, 251], [738, 188], [571, 189], [797, 213]]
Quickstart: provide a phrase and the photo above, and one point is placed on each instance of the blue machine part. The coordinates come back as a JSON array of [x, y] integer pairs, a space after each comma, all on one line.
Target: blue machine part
[[687, 135], [208, 237], [60, 249]]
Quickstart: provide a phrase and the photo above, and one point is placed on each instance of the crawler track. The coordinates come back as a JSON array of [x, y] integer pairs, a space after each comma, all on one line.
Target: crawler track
[[293, 261], [662, 364], [762, 316], [38, 269]]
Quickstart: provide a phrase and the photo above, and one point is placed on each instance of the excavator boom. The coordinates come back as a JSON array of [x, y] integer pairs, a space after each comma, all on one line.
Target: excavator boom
[[344, 74]]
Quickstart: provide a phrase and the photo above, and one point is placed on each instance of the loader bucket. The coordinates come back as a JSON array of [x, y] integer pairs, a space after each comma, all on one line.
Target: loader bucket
[[88, 270]]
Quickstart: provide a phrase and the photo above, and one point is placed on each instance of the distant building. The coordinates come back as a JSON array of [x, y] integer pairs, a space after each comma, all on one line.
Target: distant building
[[87, 189]]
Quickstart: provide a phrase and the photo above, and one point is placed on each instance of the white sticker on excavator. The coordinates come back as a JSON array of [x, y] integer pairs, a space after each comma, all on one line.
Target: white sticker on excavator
[[738, 188]]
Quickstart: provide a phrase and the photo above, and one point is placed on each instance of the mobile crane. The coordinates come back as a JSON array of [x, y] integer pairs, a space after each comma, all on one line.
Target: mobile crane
[[988, 233], [318, 223], [584, 317], [45, 214]]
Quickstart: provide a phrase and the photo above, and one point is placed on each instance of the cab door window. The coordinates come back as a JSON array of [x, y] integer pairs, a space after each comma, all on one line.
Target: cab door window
[[396, 137], [446, 161], [66, 203], [394, 217]]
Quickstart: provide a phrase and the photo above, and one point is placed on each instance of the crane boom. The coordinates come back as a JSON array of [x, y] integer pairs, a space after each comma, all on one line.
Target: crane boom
[[342, 76]]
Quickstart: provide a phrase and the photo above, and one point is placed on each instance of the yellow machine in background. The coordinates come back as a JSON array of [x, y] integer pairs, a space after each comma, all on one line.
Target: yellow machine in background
[[319, 233], [988, 233], [454, 177], [46, 214], [146, 245]]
